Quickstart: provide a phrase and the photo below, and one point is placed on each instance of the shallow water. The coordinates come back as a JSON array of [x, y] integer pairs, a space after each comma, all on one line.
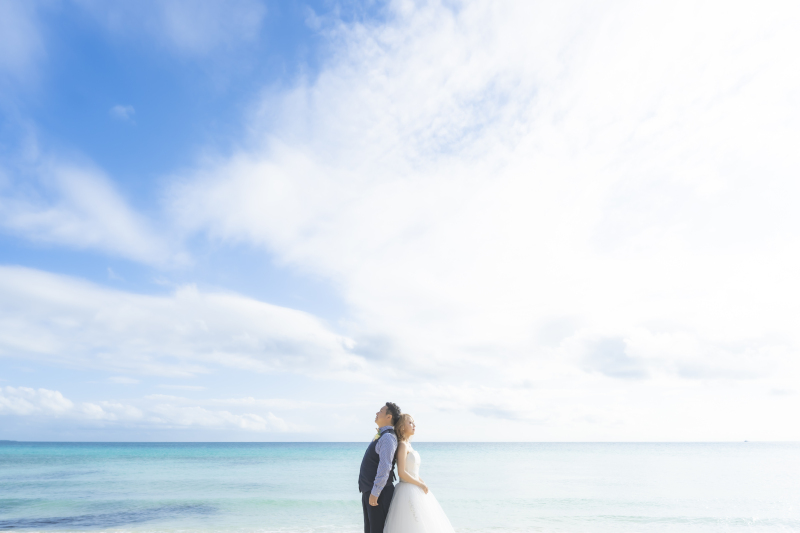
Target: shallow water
[[311, 487]]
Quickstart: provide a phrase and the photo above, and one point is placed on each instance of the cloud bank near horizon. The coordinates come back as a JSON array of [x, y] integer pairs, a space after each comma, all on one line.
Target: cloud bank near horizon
[[162, 412]]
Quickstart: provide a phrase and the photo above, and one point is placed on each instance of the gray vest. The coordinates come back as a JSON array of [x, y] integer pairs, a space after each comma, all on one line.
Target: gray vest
[[369, 466]]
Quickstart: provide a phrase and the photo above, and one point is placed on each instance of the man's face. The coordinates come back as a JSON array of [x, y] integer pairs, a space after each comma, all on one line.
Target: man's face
[[380, 416]]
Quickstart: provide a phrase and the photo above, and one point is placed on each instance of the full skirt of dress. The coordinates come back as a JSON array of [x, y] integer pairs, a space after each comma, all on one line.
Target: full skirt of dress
[[413, 511]]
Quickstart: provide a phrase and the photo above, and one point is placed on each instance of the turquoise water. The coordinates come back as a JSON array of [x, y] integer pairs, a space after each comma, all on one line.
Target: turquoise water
[[311, 487]]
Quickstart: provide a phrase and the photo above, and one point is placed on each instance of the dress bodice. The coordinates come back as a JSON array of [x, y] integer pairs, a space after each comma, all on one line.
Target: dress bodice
[[412, 462], [413, 509]]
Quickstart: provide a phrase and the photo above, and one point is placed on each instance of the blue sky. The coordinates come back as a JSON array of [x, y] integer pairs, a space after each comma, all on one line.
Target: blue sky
[[248, 220], [184, 102]]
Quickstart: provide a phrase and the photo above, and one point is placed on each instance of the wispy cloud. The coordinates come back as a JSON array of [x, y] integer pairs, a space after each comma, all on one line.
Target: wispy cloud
[[188, 27], [471, 176], [123, 380], [122, 112], [564, 220], [21, 42], [182, 387], [113, 275], [188, 332], [468, 176], [610, 357], [78, 206]]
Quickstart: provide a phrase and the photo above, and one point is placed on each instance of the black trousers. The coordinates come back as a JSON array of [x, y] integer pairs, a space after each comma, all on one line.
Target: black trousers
[[375, 517]]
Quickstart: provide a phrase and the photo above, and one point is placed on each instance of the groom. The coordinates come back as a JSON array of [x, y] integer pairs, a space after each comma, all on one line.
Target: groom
[[377, 470]]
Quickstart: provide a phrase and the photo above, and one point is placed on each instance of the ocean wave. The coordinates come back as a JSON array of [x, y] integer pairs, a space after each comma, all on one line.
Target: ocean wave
[[107, 520]]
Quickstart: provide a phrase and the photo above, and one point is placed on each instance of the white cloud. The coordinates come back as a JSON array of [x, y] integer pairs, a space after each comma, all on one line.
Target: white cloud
[[186, 26], [77, 205], [23, 401], [573, 194], [122, 112], [123, 380], [182, 387], [113, 275], [198, 416], [26, 401], [550, 221], [21, 43], [57, 318]]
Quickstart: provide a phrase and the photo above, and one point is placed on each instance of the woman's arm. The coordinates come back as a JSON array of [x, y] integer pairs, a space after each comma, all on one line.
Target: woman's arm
[[402, 452]]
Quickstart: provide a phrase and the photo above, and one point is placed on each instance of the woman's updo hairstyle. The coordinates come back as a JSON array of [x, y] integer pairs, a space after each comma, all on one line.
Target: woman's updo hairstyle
[[400, 426]]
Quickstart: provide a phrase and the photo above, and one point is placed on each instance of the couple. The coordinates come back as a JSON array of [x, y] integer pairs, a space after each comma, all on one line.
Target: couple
[[409, 507]]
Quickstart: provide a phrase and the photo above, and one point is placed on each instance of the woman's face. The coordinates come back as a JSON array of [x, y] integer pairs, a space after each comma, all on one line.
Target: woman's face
[[410, 428]]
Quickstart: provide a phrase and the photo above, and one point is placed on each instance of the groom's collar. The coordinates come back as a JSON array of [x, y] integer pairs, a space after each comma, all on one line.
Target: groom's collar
[[384, 428]]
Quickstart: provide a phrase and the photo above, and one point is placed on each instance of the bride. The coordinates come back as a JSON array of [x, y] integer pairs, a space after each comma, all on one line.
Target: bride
[[414, 508]]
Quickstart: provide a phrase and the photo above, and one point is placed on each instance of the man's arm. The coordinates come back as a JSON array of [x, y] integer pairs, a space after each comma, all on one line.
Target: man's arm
[[385, 447]]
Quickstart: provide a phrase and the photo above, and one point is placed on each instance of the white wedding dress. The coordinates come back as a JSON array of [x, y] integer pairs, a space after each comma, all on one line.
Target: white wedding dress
[[413, 511]]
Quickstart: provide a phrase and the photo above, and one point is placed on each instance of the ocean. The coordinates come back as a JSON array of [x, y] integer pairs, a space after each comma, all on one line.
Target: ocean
[[483, 487]]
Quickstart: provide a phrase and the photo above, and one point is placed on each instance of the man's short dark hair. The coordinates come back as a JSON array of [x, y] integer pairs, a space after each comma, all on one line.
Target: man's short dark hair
[[394, 410]]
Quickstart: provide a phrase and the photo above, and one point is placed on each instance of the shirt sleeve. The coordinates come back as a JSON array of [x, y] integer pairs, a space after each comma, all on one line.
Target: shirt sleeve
[[385, 447]]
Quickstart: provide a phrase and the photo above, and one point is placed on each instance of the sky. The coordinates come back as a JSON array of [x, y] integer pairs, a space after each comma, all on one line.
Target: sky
[[254, 220]]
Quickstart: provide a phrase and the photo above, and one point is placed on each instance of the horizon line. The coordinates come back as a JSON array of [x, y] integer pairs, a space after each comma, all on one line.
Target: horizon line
[[5, 441]]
